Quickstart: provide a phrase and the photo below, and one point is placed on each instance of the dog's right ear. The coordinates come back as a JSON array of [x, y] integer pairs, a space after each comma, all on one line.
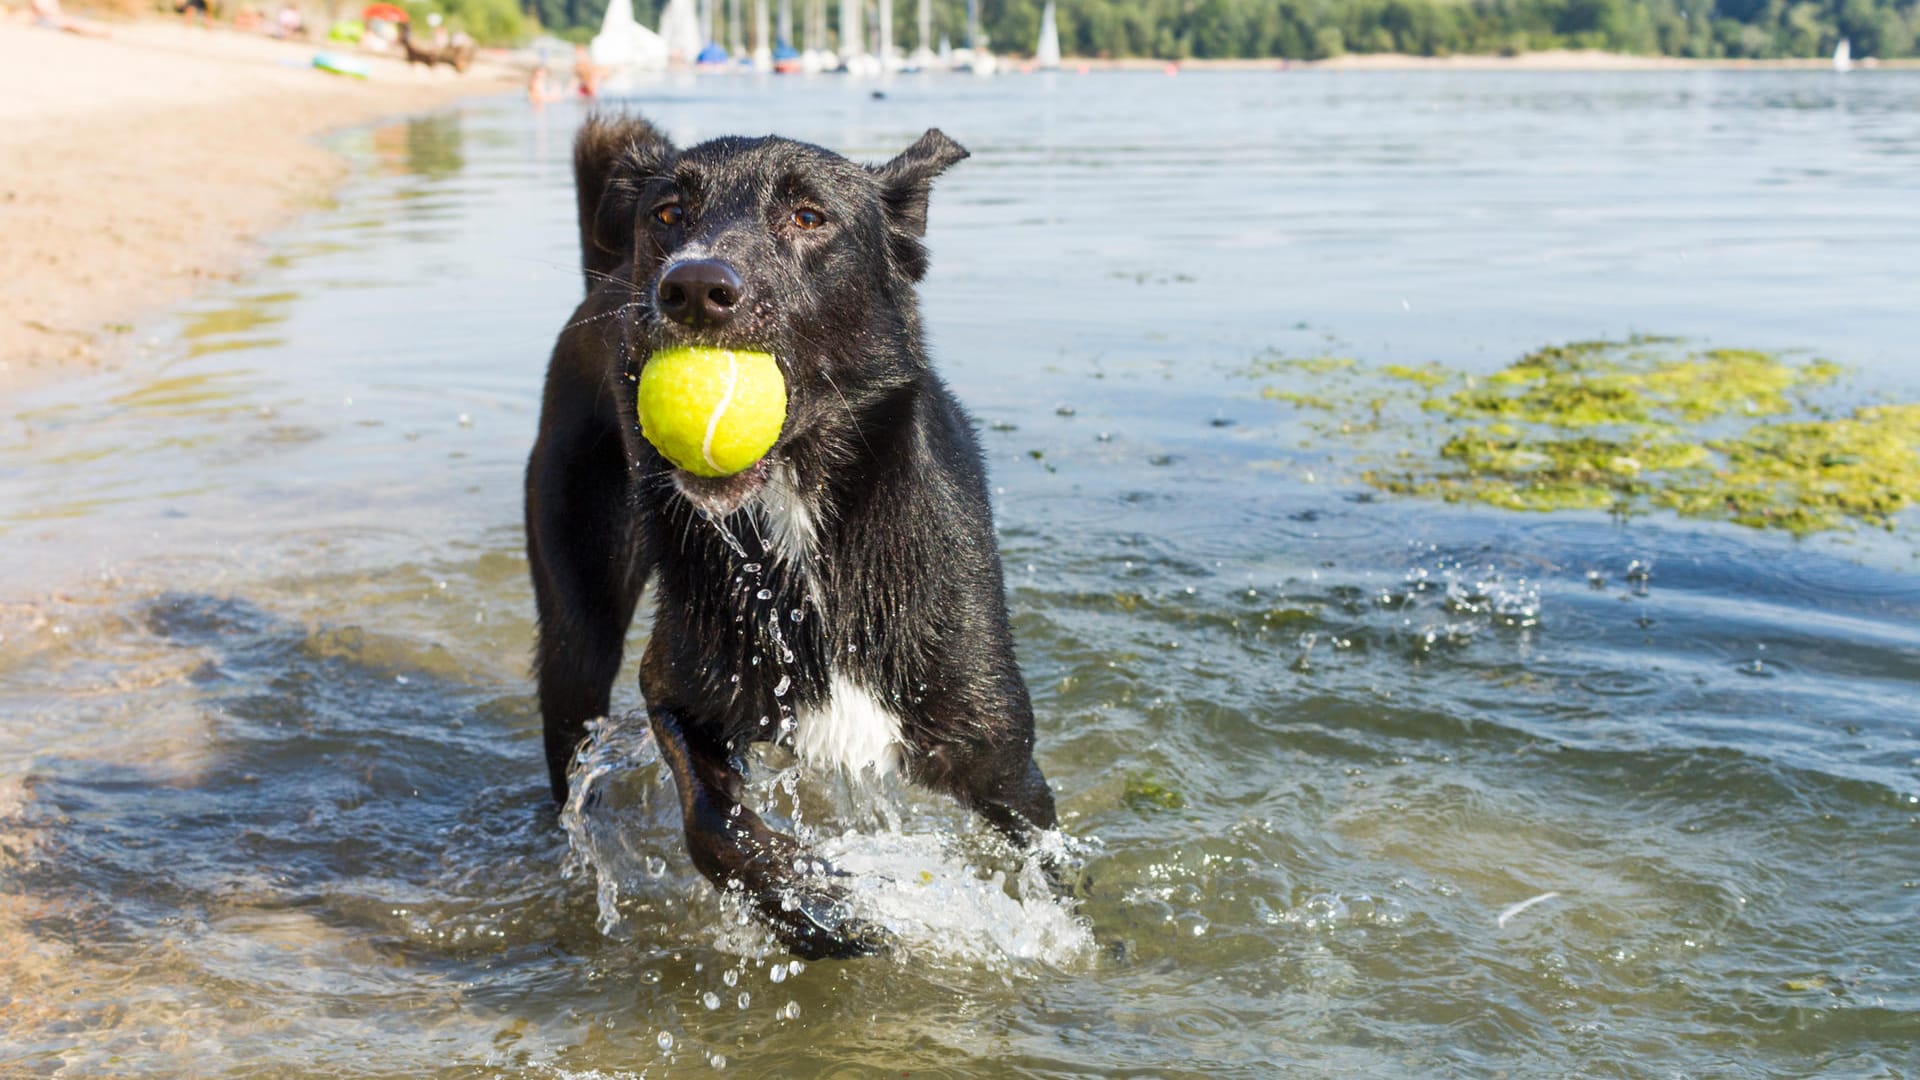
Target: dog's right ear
[[612, 155]]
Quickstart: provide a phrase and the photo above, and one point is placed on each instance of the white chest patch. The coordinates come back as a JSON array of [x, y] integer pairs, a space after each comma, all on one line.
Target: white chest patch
[[851, 729]]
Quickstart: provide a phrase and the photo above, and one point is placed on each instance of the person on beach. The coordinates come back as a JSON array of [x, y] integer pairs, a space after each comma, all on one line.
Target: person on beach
[[47, 13], [586, 73], [540, 88]]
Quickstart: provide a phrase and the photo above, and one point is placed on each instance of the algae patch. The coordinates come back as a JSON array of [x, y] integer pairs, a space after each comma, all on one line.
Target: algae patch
[[1627, 427]]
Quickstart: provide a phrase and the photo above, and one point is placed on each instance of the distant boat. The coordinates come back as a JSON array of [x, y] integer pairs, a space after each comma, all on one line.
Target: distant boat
[[975, 57], [624, 45], [922, 58], [680, 29], [1047, 55], [883, 48], [762, 37], [1843, 55]]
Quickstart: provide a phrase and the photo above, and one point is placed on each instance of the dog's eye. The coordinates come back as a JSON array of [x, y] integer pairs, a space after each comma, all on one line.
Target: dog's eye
[[670, 214], [808, 218]]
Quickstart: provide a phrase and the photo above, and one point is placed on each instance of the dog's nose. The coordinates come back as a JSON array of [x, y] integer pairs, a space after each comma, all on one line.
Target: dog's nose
[[700, 292]]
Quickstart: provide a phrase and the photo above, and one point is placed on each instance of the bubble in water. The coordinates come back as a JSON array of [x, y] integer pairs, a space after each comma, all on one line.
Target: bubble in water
[[796, 615], [665, 1039], [789, 1011], [731, 976], [778, 973], [711, 1000], [745, 999], [764, 594], [780, 688], [752, 568]]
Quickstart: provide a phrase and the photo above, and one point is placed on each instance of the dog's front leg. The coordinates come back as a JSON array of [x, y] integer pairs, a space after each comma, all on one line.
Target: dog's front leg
[[999, 781], [735, 849]]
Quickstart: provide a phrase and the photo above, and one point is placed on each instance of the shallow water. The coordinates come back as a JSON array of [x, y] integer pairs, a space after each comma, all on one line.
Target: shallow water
[[273, 801]]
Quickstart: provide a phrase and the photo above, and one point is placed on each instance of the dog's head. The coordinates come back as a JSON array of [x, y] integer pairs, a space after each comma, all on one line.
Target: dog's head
[[776, 246]]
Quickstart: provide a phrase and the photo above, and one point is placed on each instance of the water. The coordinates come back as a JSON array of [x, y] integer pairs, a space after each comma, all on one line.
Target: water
[[271, 795]]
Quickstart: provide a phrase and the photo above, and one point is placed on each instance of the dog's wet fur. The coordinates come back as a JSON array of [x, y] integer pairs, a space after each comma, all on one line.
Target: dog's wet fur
[[845, 595]]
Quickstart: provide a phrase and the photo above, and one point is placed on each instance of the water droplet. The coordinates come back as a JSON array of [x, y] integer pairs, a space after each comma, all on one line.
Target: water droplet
[[780, 688], [711, 1000], [731, 976], [745, 999], [797, 615], [763, 721], [665, 1040], [752, 568], [778, 973]]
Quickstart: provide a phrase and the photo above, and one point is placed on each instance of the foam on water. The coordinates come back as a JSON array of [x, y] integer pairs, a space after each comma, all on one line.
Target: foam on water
[[940, 891]]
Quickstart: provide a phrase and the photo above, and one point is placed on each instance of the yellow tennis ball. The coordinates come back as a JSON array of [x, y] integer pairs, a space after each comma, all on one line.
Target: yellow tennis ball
[[713, 412]]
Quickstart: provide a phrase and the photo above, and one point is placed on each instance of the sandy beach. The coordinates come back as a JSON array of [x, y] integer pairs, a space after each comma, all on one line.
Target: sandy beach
[[137, 166]]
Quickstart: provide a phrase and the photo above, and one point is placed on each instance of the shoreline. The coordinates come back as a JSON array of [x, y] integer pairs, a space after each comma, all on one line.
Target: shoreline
[[1569, 60], [137, 167]]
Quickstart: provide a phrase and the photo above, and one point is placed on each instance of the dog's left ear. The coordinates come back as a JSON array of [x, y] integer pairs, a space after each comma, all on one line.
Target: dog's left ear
[[904, 185]]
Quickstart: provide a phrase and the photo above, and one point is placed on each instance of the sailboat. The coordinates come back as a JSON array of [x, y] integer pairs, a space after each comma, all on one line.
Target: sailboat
[[1843, 55], [975, 57], [815, 56], [786, 58], [922, 57], [624, 45], [680, 30], [762, 35], [889, 61], [711, 55], [1047, 55], [854, 58]]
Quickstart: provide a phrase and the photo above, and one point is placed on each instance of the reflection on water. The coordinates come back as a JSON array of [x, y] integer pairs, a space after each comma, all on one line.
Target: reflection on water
[[271, 797], [426, 147]]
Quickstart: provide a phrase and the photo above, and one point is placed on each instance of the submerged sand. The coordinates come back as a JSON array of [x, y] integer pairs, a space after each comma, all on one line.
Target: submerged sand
[[135, 167]]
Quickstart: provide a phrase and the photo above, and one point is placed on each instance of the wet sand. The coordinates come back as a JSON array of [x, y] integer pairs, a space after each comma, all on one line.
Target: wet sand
[[134, 168]]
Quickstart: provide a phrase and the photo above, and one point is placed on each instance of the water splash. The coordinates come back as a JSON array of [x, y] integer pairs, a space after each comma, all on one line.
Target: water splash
[[925, 879], [617, 829], [937, 905]]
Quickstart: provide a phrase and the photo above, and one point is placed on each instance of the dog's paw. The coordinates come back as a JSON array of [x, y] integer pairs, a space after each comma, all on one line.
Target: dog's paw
[[816, 923]]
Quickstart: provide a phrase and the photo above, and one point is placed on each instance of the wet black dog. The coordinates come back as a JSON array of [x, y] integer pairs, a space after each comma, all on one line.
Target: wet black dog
[[843, 596]]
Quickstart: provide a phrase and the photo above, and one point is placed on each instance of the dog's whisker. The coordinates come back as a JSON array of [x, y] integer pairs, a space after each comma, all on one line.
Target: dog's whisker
[[621, 310], [852, 418]]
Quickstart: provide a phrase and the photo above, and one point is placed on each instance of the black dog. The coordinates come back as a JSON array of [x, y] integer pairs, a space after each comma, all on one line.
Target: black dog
[[844, 595]]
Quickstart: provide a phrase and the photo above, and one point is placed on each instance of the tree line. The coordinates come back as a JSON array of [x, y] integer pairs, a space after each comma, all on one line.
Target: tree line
[[1319, 29]]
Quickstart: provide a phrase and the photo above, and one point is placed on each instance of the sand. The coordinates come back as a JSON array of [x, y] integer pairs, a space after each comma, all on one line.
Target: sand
[[137, 167]]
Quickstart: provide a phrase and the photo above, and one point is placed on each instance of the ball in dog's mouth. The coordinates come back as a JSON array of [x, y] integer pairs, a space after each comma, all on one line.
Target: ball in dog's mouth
[[719, 496]]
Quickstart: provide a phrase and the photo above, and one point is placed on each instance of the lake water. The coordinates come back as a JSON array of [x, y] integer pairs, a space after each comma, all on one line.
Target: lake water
[[271, 792]]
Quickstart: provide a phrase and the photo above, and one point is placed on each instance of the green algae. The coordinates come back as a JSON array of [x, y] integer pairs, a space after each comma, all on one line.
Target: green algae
[[1146, 793], [1626, 427]]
